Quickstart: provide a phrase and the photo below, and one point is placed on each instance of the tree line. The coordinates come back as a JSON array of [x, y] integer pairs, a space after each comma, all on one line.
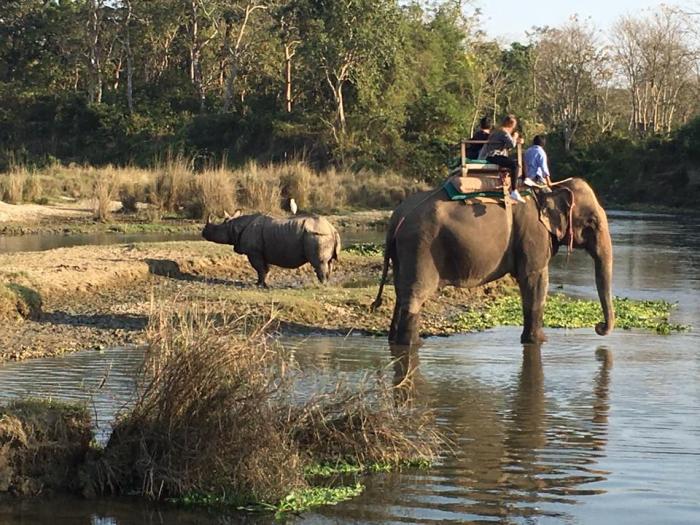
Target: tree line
[[358, 83]]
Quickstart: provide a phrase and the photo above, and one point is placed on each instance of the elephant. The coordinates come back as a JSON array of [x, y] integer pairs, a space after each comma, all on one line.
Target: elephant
[[434, 242], [289, 243]]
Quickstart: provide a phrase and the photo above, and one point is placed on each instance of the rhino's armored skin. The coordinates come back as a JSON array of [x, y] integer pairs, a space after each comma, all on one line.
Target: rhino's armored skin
[[288, 243]]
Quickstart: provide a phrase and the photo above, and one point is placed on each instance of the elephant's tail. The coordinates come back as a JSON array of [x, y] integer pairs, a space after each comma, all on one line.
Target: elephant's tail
[[336, 246], [385, 271]]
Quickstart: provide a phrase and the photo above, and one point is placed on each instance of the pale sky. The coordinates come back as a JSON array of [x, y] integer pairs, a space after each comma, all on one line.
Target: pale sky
[[508, 20]]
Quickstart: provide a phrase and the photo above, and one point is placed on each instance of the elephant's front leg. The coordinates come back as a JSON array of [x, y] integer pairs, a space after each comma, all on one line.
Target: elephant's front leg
[[533, 291]]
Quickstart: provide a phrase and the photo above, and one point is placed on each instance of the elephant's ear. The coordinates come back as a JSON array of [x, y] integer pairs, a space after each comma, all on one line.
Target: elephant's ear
[[555, 211]]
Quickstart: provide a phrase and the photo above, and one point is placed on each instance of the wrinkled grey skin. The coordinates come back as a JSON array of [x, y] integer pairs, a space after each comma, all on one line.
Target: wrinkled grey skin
[[289, 243], [440, 242]]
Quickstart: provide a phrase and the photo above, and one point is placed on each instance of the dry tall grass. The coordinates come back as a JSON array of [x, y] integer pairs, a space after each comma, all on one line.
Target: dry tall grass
[[257, 189], [214, 192], [198, 423], [218, 415], [174, 187], [12, 184], [105, 188]]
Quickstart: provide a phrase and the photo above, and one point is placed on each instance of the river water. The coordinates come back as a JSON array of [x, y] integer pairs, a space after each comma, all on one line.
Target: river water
[[49, 241], [584, 429]]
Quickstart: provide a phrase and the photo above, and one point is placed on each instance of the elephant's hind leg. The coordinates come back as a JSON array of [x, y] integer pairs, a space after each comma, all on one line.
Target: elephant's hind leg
[[393, 327]]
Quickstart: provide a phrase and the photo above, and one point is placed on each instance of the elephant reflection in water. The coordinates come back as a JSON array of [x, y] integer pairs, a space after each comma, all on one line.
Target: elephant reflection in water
[[517, 448], [538, 428]]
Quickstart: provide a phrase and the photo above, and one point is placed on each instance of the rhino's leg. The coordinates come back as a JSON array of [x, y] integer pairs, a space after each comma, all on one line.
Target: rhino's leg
[[259, 265]]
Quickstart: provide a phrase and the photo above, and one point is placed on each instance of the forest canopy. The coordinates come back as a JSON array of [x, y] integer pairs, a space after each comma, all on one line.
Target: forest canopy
[[375, 84]]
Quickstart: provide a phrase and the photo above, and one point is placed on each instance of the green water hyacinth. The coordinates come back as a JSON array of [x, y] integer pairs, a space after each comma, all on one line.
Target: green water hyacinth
[[366, 249], [566, 312], [327, 470], [304, 499]]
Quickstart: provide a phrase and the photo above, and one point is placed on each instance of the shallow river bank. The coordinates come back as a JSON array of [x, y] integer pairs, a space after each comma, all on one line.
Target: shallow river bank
[[583, 430]]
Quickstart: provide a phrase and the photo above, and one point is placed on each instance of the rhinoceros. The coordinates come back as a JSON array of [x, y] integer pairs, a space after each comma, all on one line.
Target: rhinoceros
[[289, 243]]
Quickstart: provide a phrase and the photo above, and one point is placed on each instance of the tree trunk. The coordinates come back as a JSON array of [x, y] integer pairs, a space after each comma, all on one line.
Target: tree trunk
[[288, 55], [194, 51], [230, 81], [95, 59], [235, 53], [129, 61], [341, 107]]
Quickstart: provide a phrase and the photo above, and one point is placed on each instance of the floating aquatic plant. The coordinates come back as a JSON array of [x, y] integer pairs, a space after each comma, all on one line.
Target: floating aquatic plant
[[566, 312]]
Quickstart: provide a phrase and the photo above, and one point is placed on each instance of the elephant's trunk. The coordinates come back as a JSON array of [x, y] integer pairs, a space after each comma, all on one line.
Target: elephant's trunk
[[602, 255]]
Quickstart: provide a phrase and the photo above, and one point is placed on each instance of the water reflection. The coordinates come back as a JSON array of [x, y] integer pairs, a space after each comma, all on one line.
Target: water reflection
[[123, 511], [519, 451]]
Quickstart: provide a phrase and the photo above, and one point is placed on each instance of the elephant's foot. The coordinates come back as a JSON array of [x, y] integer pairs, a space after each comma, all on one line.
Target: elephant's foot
[[533, 337], [406, 339]]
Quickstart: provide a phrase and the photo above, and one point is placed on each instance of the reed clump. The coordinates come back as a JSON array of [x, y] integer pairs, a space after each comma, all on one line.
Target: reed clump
[[219, 417], [12, 184], [105, 188], [213, 192]]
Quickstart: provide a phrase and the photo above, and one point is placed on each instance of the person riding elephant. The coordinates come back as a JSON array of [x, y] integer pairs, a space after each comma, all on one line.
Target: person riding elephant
[[433, 242]]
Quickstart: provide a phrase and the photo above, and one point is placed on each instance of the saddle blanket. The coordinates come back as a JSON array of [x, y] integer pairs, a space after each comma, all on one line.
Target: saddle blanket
[[481, 188]]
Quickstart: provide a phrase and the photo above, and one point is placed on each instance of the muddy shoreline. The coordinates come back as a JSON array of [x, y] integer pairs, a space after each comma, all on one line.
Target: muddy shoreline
[[94, 297]]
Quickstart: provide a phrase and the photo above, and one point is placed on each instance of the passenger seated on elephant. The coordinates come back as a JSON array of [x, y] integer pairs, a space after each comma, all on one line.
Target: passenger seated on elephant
[[536, 166], [482, 133], [498, 147]]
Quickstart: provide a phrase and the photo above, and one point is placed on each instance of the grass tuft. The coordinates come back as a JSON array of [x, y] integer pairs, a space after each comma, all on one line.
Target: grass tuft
[[43, 444]]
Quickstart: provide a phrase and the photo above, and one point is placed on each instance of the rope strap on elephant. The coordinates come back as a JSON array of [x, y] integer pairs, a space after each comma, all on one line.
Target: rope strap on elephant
[[570, 227]]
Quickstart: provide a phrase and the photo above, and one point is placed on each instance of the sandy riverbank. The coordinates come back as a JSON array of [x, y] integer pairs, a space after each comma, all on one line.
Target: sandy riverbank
[[96, 297]]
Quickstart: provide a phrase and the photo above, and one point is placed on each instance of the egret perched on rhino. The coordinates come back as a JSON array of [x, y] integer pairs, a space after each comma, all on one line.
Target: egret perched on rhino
[[433, 242], [288, 243]]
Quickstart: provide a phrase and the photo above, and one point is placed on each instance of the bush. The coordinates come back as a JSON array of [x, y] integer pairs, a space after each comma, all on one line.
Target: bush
[[219, 417]]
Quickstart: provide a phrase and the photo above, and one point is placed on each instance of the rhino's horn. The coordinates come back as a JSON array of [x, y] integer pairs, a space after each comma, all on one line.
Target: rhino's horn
[[209, 220], [226, 215]]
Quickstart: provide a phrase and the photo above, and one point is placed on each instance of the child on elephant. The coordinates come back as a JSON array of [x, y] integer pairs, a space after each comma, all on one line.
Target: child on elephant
[[536, 166], [498, 147]]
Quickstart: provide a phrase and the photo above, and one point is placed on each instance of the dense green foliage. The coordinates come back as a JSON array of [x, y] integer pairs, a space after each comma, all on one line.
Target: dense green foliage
[[126, 81]]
